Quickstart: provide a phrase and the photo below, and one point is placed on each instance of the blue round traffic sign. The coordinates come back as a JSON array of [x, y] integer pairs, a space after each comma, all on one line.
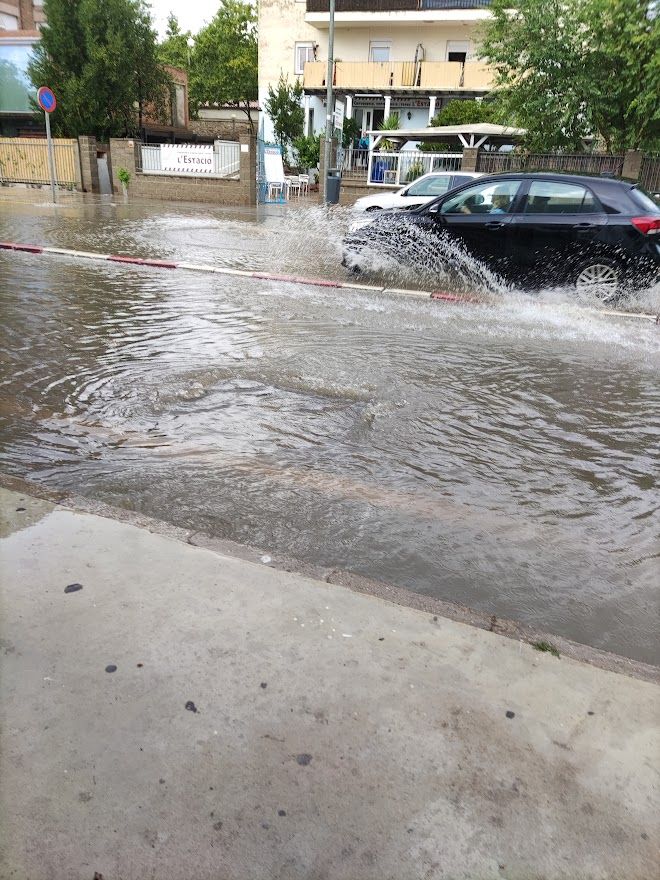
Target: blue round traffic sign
[[46, 99]]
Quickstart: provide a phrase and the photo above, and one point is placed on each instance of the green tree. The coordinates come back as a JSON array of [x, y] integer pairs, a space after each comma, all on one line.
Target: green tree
[[624, 63], [390, 123], [224, 58], [287, 115], [458, 112], [568, 69], [100, 58], [174, 50], [308, 150]]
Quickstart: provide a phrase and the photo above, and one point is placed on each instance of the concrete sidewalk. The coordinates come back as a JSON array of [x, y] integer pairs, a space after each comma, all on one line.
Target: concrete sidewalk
[[260, 724]]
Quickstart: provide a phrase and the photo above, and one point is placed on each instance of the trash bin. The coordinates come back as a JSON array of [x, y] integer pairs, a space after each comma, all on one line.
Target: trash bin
[[333, 183]]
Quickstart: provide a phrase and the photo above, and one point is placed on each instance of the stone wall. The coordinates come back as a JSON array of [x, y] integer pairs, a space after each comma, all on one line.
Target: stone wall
[[89, 169], [222, 129], [124, 153]]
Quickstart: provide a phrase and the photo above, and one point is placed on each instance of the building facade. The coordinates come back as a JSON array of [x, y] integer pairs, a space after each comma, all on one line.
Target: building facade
[[20, 21], [408, 57]]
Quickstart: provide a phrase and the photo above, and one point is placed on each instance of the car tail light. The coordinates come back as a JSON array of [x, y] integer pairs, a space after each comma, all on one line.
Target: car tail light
[[647, 225]]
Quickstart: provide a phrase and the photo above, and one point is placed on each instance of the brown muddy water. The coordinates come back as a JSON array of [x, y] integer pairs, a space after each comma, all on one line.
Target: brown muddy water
[[501, 455]]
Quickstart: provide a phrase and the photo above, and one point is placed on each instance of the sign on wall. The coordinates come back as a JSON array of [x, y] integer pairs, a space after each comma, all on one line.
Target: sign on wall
[[187, 158]]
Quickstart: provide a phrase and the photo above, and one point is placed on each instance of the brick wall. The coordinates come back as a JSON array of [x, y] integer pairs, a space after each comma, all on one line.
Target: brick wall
[[177, 188]]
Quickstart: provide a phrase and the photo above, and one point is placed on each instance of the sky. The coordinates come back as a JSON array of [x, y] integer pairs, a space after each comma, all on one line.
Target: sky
[[192, 14]]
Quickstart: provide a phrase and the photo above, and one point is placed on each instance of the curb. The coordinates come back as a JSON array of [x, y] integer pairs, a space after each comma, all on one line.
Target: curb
[[436, 295], [378, 590]]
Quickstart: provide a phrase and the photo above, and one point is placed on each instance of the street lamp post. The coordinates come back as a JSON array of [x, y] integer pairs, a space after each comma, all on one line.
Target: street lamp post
[[328, 100]]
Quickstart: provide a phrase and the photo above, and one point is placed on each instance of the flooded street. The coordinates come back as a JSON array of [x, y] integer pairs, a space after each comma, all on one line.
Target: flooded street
[[501, 455]]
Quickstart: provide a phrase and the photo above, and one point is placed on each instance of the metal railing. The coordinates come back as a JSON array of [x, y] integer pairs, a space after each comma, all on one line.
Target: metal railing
[[363, 5], [394, 5], [25, 160], [649, 173], [567, 163], [393, 169], [226, 161]]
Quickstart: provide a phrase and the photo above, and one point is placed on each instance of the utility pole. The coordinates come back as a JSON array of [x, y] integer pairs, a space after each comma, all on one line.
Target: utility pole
[[329, 103]]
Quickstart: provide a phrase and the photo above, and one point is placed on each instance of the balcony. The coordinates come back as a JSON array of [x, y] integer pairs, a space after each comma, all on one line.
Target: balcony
[[394, 5], [400, 76]]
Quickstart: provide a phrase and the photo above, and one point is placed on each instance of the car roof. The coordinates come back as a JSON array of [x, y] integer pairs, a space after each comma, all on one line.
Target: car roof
[[560, 177], [452, 172]]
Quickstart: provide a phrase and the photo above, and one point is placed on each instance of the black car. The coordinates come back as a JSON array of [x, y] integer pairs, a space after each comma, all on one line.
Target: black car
[[597, 234]]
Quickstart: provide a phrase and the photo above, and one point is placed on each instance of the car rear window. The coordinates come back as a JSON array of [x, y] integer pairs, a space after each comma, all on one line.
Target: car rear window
[[645, 201], [460, 179], [432, 186], [551, 197]]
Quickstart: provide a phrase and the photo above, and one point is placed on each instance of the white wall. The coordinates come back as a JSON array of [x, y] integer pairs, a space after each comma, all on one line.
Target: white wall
[[353, 45], [282, 24]]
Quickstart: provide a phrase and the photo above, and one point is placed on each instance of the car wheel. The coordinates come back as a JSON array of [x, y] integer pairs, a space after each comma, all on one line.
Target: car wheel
[[374, 208], [598, 278]]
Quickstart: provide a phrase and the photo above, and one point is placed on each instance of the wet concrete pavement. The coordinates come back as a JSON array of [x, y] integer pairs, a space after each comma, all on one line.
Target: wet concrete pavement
[[259, 724]]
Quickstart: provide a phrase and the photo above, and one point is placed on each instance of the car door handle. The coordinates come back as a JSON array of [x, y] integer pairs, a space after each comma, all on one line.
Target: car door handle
[[494, 224], [583, 226]]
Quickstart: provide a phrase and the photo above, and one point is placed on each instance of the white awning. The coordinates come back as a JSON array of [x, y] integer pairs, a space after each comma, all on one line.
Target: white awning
[[473, 135]]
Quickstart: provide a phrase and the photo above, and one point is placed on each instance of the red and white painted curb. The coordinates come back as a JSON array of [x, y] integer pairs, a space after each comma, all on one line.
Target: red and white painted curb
[[437, 295]]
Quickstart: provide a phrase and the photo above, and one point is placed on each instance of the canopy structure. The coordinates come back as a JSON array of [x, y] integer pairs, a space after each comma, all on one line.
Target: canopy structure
[[472, 135]]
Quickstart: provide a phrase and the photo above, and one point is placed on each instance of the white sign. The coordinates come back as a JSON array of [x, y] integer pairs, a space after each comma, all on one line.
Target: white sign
[[273, 165], [187, 158], [339, 116]]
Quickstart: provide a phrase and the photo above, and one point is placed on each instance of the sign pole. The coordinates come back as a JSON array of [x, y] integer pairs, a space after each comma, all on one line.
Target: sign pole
[[51, 158], [329, 114]]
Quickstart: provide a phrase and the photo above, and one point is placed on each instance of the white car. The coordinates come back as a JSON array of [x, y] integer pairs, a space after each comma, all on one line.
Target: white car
[[419, 192]]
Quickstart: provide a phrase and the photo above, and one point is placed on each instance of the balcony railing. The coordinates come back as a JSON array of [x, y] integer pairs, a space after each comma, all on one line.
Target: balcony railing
[[396, 75], [394, 5]]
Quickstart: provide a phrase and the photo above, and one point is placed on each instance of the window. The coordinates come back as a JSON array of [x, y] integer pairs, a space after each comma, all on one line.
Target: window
[[304, 53], [8, 22], [483, 198], [379, 50], [547, 197], [15, 87], [458, 50], [432, 186], [179, 105]]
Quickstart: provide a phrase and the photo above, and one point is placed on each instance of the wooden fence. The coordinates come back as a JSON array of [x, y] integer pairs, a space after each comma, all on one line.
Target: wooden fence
[[25, 160]]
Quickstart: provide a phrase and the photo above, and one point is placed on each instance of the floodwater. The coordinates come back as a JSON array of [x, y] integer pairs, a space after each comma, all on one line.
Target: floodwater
[[502, 455]]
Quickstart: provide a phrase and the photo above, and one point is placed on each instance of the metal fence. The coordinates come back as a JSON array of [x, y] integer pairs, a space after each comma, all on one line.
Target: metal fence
[[393, 169], [394, 5], [226, 161], [649, 173], [25, 160], [576, 163]]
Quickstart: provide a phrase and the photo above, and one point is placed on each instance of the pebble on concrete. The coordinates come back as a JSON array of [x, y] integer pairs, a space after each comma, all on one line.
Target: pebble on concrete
[[510, 714], [304, 759], [73, 588]]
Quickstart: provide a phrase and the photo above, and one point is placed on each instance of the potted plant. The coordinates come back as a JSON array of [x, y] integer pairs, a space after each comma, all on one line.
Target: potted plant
[[124, 178]]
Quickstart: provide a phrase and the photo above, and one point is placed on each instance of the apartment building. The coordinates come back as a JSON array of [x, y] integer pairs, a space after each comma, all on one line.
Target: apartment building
[[20, 21], [408, 57]]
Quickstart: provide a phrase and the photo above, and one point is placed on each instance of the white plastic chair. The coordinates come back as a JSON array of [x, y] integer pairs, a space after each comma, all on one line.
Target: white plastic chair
[[277, 189], [294, 185], [304, 184]]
